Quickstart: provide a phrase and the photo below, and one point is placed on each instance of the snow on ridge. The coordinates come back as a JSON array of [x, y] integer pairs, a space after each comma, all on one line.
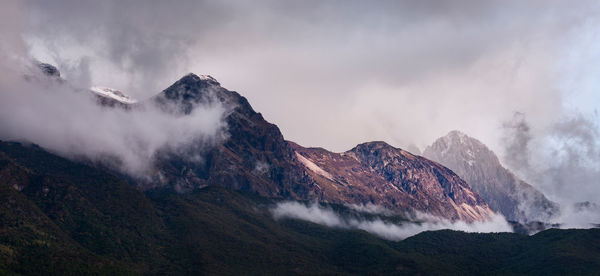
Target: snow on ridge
[[206, 77], [113, 94]]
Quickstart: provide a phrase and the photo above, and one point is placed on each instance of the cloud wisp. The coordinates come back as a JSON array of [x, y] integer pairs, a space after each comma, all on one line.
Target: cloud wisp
[[317, 213]]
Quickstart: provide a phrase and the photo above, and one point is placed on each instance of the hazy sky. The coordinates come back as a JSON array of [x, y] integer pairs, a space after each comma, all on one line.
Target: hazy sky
[[338, 73]]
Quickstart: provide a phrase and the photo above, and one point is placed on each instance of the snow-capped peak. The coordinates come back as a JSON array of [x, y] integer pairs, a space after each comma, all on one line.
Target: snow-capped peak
[[113, 94], [207, 78]]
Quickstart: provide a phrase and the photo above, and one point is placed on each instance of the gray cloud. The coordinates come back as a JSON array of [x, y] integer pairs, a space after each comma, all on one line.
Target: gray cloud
[[401, 71]]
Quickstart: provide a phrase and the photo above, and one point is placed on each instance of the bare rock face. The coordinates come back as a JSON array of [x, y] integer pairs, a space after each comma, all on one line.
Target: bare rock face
[[254, 156], [380, 174], [500, 188]]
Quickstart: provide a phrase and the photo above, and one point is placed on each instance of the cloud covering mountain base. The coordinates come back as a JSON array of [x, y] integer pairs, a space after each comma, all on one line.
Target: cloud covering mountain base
[[316, 213]]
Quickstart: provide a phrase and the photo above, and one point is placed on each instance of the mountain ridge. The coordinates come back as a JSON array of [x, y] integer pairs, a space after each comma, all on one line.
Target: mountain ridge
[[256, 157]]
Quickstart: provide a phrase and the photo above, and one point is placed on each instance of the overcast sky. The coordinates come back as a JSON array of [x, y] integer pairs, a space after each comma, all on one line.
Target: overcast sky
[[338, 73]]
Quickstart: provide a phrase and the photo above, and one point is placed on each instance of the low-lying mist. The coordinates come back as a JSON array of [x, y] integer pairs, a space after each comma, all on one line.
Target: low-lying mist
[[64, 117], [69, 120], [316, 213]]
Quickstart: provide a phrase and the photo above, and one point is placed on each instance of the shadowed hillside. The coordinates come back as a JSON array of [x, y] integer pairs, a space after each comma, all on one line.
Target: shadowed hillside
[[64, 217]]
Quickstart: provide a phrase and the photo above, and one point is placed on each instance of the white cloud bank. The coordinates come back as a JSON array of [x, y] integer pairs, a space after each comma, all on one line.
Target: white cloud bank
[[316, 213], [71, 123], [64, 117]]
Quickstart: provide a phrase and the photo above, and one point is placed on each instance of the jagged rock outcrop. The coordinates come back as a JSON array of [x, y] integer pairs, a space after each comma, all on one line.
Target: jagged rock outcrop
[[500, 188]]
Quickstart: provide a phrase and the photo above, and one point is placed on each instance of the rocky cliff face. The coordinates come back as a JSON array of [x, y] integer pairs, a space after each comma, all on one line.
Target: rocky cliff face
[[501, 189], [380, 174], [254, 156]]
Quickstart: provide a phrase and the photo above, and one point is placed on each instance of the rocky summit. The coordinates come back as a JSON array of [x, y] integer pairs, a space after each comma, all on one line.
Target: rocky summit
[[480, 168]]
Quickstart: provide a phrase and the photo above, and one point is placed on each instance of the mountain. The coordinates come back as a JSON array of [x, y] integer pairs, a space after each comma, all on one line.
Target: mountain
[[255, 157], [62, 217], [500, 188], [380, 174]]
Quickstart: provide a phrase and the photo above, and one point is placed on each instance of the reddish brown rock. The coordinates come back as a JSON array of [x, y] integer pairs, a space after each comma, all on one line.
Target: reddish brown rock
[[377, 173], [255, 157]]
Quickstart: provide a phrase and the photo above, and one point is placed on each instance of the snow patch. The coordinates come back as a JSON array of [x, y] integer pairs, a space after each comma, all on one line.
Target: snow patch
[[113, 94], [207, 78]]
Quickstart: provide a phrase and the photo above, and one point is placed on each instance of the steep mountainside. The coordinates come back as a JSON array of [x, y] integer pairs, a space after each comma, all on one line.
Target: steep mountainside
[[501, 189], [381, 174], [62, 217], [256, 158], [253, 156]]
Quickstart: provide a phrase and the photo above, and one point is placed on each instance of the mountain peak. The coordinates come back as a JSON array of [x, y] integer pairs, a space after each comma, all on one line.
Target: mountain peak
[[190, 90], [457, 142], [457, 134], [458, 137], [480, 168], [192, 78], [381, 147], [376, 145]]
